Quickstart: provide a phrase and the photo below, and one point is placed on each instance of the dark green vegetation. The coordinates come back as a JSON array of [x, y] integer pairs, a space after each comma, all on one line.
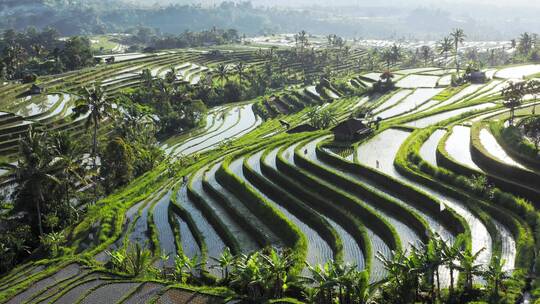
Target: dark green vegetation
[[27, 54], [216, 175]]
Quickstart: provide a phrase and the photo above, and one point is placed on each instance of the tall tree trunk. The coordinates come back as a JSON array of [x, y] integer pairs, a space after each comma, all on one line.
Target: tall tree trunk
[[38, 210], [457, 60], [451, 280], [438, 283], [94, 158]]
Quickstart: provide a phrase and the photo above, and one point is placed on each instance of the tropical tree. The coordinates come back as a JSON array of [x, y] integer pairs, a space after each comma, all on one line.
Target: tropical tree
[[402, 282], [496, 277], [458, 37], [526, 43], [96, 106], [33, 175], [387, 57], [224, 263], [71, 173], [396, 53], [513, 97], [426, 53], [170, 76], [186, 268], [431, 258], [444, 47], [449, 254], [276, 265], [469, 267], [531, 128], [240, 69], [222, 72], [533, 88], [147, 79]]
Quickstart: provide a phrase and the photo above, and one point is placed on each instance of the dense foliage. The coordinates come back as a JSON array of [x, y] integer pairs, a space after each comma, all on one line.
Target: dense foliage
[[41, 52]]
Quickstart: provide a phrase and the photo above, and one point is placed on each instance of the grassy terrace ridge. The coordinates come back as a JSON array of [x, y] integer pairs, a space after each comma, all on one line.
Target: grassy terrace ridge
[[236, 177]]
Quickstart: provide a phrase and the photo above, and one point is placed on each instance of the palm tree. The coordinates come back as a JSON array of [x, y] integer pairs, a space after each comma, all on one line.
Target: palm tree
[[533, 88], [426, 53], [386, 56], [222, 73], [444, 47], [513, 97], [395, 51], [33, 174], [458, 37], [302, 39], [321, 279], [71, 172], [449, 254], [402, 281], [240, 69], [224, 262], [277, 266], [468, 266], [95, 104], [495, 276], [170, 77], [525, 43], [146, 78]]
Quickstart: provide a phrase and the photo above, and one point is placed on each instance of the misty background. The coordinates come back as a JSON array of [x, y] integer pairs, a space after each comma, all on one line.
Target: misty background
[[362, 19]]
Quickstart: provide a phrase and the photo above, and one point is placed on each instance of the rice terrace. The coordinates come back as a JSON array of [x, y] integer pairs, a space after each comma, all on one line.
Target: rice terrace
[[218, 164]]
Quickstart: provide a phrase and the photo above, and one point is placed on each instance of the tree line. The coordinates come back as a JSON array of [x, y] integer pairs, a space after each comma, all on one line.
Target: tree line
[[413, 276], [33, 52]]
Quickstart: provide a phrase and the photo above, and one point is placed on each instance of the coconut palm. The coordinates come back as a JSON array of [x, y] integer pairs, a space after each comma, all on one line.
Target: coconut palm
[[444, 47], [458, 37], [33, 175], [526, 43], [222, 73], [387, 57], [71, 172], [146, 78], [240, 69], [513, 97], [426, 53], [396, 53], [96, 106]]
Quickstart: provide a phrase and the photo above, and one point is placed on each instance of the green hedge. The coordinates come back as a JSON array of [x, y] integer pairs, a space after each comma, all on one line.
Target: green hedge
[[298, 208], [175, 207], [386, 203], [446, 161], [451, 221], [525, 242], [349, 223], [515, 145], [257, 232], [345, 200], [224, 233], [482, 157], [268, 214]]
